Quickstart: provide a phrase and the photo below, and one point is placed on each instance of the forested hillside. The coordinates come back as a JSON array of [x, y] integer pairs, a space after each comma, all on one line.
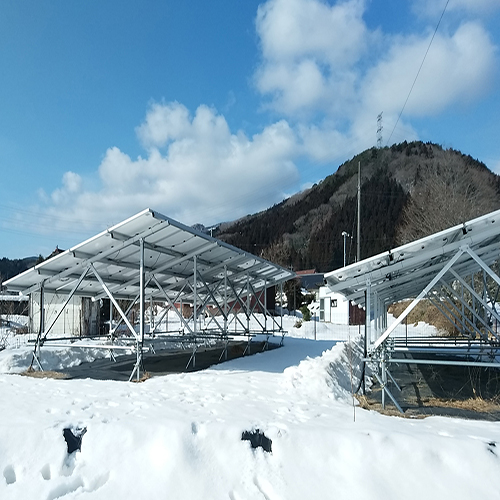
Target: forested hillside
[[407, 191], [11, 267]]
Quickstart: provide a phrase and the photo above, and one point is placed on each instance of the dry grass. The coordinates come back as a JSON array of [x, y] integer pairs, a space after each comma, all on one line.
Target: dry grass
[[424, 311], [473, 405], [43, 374], [389, 410], [145, 376]]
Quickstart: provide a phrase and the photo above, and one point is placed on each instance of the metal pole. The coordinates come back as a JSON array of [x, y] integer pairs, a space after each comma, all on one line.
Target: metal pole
[[358, 253], [225, 299], [314, 319], [368, 310], [141, 310], [406, 329], [42, 326], [226, 333], [248, 303], [151, 315], [265, 305], [281, 306], [294, 298], [195, 302], [42, 309], [344, 234], [384, 375]]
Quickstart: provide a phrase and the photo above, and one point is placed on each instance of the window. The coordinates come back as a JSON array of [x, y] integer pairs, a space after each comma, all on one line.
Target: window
[[333, 303]]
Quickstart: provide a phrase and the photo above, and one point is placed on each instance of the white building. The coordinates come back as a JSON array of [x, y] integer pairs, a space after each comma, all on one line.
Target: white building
[[79, 318], [335, 308]]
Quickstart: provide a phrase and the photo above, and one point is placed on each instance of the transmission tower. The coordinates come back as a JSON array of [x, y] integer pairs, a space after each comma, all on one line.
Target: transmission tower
[[379, 130]]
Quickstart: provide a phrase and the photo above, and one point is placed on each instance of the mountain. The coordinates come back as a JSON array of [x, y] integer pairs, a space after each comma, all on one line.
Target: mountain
[[12, 267], [408, 190]]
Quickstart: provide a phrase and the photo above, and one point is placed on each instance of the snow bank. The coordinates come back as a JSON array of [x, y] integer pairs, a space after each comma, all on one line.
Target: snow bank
[[334, 374], [53, 358]]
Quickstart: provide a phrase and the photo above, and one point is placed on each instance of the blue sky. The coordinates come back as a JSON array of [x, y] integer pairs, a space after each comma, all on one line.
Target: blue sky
[[207, 111]]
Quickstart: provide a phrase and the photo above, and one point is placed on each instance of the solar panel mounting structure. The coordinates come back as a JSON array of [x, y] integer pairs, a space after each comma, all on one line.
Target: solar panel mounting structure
[[151, 257], [456, 270]]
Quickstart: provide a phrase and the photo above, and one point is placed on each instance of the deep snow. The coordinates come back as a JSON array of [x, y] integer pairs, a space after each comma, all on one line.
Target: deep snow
[[179, 436]]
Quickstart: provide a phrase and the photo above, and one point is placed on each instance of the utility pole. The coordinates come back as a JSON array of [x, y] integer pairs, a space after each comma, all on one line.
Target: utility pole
[[345, 235], [358, 253]]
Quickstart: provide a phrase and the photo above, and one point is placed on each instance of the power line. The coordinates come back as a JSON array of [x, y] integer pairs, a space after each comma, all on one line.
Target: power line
[[418, 72]]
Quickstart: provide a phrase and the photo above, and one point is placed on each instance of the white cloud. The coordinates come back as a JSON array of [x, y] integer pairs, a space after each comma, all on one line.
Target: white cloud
[[72, 184], [205, 173], [164, 123], [457, 68], [309, 49]]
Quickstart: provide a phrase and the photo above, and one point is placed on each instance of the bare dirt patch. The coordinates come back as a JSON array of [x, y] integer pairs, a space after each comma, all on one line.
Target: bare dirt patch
[[44, 374]]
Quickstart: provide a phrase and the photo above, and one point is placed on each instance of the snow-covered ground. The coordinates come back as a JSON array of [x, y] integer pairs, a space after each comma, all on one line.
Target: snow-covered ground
[[180, 436]]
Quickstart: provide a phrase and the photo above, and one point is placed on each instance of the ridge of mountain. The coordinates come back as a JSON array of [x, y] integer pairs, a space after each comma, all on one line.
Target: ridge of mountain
[[305, 230]]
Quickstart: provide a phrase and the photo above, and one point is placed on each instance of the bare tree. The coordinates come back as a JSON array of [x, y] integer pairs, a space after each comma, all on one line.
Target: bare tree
[[444, 195]]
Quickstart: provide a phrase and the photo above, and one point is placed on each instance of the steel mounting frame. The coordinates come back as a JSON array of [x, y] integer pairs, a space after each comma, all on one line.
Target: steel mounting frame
[[150, 258], [454, 269]]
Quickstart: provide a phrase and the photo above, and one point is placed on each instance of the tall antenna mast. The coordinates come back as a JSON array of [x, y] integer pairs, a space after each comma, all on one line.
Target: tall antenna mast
[[379, 130], [358, 254]]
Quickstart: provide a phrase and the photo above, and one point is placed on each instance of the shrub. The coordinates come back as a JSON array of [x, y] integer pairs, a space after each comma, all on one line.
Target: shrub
[[306, 313]]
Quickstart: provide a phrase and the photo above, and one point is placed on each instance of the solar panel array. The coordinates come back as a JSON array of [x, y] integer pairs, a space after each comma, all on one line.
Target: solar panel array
[[172, 251]]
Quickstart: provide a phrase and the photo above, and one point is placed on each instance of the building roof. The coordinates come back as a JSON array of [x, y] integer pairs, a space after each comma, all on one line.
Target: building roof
[[311, 281]]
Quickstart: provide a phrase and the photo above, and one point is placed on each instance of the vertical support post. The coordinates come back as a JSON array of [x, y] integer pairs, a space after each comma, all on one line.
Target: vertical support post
[[182, 313], [406, 330], [248, 311], [30, 314], [36, 350], [265, 305], [42, 309], [281, 306], [485, 297], [225, 314], [474, 307], [195, 298], [151, 315], [368, 310], [463, 306], [361, 384], [248, 303], [42, 325], [383, 368], [111, 332], [142, 299], [142, 306], [225, 300]]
